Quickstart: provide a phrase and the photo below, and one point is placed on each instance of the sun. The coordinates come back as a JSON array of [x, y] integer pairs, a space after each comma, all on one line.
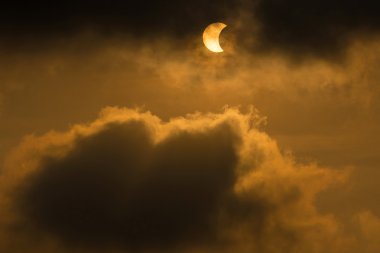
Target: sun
[[211, 37]]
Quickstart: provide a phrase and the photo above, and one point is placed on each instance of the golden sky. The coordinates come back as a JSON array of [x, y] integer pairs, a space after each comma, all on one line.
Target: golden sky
[[125, 135]]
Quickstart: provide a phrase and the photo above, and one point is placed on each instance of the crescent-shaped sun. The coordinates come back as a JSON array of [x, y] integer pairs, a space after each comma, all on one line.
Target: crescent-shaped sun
[[211, 37]]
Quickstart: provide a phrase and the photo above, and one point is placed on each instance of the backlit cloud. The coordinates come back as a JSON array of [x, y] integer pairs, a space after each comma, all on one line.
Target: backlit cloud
[[132, 181]]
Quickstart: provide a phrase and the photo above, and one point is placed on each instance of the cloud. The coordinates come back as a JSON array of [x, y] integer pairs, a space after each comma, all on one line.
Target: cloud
[[300, 29], [264, 199], [304, 29], [130, 181], [369, 225], [36, 22]]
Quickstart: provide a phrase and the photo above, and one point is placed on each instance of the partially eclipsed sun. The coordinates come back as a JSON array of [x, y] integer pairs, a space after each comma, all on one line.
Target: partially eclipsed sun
[[211, 37]]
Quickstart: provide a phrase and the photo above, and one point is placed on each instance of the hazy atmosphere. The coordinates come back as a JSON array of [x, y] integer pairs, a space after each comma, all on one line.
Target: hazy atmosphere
[[121, 132]]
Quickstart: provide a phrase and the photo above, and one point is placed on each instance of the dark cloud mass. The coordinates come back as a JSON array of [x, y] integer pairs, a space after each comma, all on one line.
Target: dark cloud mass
[[116, 187], [318, 27], [141, 18], [129, 181], [298, 28]]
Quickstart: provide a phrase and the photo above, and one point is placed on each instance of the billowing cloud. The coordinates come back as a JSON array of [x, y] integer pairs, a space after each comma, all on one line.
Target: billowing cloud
[[132, 181], [321, 111]]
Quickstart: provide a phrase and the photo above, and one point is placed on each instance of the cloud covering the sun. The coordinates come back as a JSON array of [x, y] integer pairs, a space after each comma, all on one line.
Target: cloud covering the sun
[[130, 181]]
